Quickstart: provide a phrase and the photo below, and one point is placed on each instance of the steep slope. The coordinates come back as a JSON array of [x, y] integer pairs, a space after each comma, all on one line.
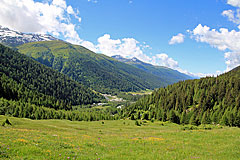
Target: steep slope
[[206, 100], [168, 75], [23, 79], [13, 38], [97, 71]]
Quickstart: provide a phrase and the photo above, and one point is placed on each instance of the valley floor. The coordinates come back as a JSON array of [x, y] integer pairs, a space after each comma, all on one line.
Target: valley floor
[[121, 139]]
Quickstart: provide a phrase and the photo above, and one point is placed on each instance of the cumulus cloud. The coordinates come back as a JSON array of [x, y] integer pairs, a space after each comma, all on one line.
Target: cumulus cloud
[[164, 60], [53, 17], [129, 48], [126, 47], [223, 40], [235, 3], [177, 39]]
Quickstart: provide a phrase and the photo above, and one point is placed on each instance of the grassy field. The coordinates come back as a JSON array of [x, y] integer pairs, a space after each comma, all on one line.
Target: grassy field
[[122, 139]]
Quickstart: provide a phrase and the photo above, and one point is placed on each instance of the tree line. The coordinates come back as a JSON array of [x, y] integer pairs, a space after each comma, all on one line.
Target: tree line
[[32, 111]]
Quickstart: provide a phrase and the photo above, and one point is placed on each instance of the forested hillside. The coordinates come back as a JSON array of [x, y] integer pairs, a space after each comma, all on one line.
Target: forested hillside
[[101, 73], [202, 101], [25, 80]]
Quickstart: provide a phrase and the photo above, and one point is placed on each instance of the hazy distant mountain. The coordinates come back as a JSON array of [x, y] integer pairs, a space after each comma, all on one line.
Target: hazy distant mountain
[[170, 75], [13, 38]]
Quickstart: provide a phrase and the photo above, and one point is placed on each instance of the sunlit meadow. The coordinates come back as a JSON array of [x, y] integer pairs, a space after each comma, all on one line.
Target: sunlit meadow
[[122, 139]]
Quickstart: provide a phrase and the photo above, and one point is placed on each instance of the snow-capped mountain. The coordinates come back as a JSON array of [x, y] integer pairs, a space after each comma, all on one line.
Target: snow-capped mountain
[[15, 38]]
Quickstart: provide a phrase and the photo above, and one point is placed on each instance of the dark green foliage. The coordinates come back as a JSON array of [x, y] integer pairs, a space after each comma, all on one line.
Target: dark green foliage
[[97, 71], [201, 101], [23, 79]]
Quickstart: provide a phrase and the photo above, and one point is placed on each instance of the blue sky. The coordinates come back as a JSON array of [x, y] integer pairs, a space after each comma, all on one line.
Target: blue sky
[[142, 29]]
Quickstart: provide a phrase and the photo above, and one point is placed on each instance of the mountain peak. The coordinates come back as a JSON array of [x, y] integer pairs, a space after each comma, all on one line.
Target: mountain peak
[[14, 38]]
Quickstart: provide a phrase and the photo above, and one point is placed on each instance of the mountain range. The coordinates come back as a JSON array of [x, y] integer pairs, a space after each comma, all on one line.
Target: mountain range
[[97, 71]]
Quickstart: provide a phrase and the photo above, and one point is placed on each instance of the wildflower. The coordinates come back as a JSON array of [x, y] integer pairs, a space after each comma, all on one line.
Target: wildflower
[[68, 157], [7, 148]]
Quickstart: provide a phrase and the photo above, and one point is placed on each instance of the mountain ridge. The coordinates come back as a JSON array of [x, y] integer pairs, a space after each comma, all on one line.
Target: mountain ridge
[[161, 72], [97, 71]]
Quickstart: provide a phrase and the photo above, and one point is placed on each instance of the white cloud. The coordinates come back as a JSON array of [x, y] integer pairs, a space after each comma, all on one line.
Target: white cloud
[[177, 39], [223, 40], [42, 17], [126, 47], [235, 3], [232, 15], [164, 60]]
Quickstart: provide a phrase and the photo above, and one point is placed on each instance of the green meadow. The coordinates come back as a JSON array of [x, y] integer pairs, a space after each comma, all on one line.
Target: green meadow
[[120, 139]]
